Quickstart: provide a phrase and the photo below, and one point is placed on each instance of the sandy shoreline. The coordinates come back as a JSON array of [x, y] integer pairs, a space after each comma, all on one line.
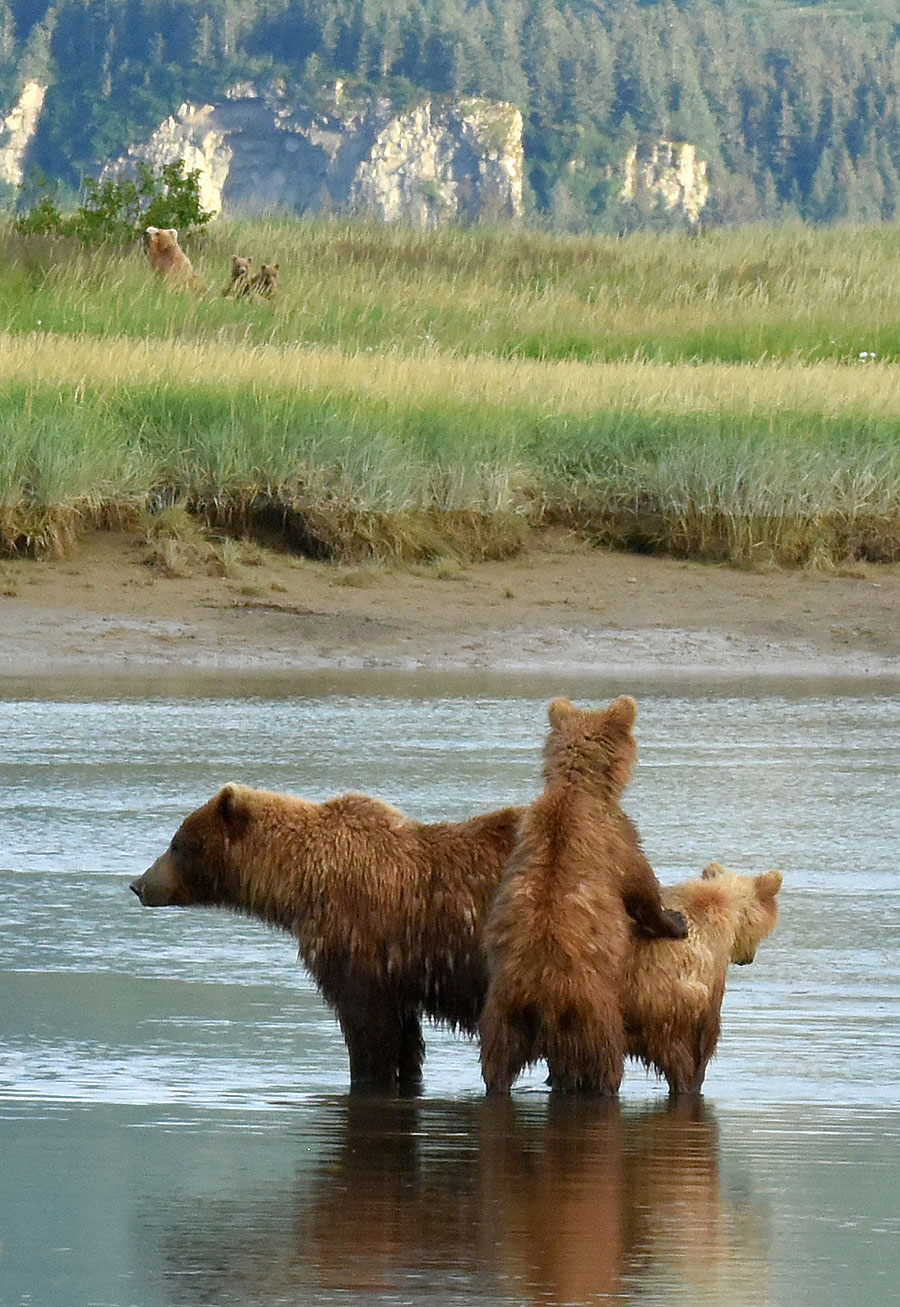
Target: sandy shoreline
[[562, 610]]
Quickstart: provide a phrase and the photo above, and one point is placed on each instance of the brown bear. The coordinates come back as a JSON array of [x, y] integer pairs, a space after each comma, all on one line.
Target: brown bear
[[673, 993], [557, 935], [265, 282], [388, 912], [165, 254], [241, 276]]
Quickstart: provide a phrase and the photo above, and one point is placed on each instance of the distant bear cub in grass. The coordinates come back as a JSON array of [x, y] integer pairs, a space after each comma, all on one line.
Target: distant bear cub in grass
[[265, 282], [241, 275], [558, 934], [673, 992], [243, 281], [387, 912]]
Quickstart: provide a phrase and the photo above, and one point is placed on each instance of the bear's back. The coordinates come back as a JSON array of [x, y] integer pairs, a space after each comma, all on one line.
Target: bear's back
[[559, 907]]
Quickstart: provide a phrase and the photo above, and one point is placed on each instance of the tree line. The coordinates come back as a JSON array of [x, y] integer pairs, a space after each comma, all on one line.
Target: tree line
[[797, 110]]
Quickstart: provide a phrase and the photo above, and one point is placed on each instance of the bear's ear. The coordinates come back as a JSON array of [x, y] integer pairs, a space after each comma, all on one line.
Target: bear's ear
[[275, 267], [622, 713], [768, 884], [712, 870], [151, 231], [560, 710], [173, 232], [232, 807]]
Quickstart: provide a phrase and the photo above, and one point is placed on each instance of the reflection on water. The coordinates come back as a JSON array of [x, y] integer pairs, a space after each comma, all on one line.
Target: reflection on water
[[562, 1201], [590, 1203], [445, 1202], [174, 1126]]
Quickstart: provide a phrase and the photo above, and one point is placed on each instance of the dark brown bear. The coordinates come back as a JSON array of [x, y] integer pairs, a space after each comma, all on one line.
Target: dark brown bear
[[387, 911]]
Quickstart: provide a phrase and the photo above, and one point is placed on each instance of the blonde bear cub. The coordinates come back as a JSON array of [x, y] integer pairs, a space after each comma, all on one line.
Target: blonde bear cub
[[673, 992]]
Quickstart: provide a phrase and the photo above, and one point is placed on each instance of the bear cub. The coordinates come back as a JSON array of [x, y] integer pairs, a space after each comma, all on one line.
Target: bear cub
[[558, 934], [673, 992]]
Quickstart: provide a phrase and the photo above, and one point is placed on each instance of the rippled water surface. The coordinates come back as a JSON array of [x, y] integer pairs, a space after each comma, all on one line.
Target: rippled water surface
[[175, 1126]]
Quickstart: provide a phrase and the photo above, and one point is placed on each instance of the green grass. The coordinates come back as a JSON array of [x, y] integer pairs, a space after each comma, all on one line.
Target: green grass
[[418, 396], [731, 296]]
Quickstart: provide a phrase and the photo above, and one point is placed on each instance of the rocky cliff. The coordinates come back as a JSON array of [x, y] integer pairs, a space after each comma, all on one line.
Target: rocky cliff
[[668, 172], [257, 154], [17, 127]]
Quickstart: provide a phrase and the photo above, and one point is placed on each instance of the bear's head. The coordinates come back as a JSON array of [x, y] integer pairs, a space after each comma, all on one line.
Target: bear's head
[[161, 240], [596, 749], [240, 268], [199, 865], [266, 280], [755, 897]]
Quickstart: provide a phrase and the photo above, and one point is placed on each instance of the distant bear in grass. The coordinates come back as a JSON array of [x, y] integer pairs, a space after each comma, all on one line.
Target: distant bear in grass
[[165, 254], [557, 936], [673, 992], [387, 912], [241, 276], [265, 282]]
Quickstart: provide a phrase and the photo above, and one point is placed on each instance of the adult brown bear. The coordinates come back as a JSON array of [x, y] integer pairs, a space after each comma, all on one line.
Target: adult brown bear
[[165, 255], [387, 911]]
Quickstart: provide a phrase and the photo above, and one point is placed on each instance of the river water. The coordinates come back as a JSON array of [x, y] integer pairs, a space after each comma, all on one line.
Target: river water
[[175, 1126]]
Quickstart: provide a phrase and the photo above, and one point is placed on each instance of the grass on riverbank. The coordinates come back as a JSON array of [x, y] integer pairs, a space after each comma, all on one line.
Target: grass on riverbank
[[338, 472], [415, 396]]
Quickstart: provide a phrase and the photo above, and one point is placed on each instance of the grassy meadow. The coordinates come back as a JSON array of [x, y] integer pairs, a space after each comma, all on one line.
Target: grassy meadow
[[734, 397]]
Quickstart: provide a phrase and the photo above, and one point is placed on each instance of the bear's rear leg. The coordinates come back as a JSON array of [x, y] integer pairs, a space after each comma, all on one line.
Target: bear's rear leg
[[586, 1048], [686, 1070], [507, 1045]]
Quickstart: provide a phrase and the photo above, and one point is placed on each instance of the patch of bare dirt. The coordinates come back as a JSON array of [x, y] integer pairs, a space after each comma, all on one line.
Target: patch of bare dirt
[[560, 607]]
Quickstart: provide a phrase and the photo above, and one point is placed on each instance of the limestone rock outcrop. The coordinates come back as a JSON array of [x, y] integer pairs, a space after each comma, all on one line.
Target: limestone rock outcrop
[[17, 127], [669, 172], [258, 154]]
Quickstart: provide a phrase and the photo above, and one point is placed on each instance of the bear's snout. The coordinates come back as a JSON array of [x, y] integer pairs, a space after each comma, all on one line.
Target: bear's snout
[[160, 885]]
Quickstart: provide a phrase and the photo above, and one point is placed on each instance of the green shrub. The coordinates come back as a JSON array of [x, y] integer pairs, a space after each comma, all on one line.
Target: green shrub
[[118, 210]]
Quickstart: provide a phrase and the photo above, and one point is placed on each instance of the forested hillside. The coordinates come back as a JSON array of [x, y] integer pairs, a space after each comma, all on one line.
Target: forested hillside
[[797, 110]]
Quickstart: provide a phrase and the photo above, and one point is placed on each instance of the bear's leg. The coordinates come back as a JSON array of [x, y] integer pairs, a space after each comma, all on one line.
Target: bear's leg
[[507, 1040], [641, 895], [705, 1039], [372, 1032], [684, 1062], [588, 1053], [678, 1073], [652, 919], [412, 1053]]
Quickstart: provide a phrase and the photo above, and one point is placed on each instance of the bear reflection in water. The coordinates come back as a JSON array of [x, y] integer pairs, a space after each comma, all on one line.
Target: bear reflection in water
[[564, 1199]]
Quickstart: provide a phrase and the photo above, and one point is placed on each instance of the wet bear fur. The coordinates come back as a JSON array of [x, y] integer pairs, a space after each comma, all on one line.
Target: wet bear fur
[[673, 992], [557, 935], [387, 912]]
